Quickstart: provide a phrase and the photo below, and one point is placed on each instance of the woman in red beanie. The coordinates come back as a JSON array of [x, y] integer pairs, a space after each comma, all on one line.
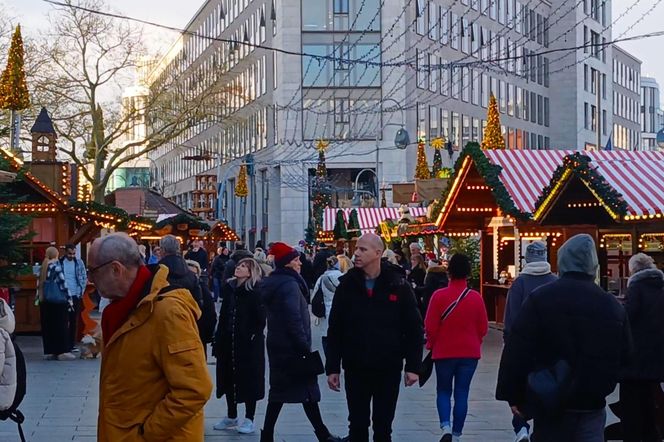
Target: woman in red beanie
[[288, 339]]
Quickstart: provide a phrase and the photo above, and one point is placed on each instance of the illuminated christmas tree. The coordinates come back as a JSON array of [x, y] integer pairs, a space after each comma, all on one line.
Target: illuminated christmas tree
[[493, 136], [13, 87], [241, 190], [437, 144], [422, 168], [321, 194]]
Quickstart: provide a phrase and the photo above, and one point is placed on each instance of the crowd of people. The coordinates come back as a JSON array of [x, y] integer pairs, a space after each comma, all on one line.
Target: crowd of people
[[567, 342]]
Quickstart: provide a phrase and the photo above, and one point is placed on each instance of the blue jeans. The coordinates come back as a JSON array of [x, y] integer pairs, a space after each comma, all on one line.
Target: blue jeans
[[216, 288], [461, 371]]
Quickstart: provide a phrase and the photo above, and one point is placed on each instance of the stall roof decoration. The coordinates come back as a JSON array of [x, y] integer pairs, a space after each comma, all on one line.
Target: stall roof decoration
[[219, 231], [183, 218], [369, 217], [626, 183], [518, 178]]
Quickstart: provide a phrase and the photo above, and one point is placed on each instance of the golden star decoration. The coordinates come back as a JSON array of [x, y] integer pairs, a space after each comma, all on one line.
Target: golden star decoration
[[438, 143], [322, 145]]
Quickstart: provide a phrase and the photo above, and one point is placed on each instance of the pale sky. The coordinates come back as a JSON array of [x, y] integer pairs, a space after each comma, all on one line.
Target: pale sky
[[31, 13]]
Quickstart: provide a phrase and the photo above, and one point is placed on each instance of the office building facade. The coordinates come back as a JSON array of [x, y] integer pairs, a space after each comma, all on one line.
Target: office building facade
[[652, 116], [626, 133]]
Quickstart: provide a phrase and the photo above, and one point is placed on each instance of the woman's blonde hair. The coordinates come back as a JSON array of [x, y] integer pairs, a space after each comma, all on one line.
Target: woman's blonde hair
[[51, 254], [255, 272], [345, 264]]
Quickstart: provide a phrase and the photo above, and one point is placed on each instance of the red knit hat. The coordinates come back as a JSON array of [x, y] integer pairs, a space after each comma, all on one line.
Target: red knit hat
[[283, 253]]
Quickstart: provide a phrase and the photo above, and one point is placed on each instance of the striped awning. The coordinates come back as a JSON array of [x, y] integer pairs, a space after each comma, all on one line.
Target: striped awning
[[369, 218], [637, 176]]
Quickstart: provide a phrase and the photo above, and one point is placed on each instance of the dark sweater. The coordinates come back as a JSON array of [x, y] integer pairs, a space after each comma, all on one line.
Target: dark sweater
[[377, 332]]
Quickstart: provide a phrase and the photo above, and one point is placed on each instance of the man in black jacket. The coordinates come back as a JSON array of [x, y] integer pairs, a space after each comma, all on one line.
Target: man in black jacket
[[374, 325], [320, 261], [570, 320], [179, 274]]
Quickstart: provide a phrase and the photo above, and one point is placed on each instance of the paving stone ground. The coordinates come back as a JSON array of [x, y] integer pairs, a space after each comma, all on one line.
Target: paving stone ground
[[62, 399]]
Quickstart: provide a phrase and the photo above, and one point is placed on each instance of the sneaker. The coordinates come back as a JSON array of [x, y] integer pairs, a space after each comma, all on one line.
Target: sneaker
[[225, 424], [522, 435], [447, 434], [66, 357], [246, 427]]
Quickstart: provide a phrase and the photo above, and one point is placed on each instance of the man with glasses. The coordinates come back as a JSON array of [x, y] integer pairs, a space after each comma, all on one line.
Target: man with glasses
[[76, 279], [154, 380]]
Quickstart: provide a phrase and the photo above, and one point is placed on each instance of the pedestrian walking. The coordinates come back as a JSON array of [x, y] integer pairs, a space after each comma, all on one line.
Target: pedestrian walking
[[436, 278], [320, 260], [325, 287], [536, 273], [199, 254], [218, 265], [455, 324], [208, 320], [288, 340], [154, 380], [640, 379], [76, 279], [374, 325], [54, 307], [418, 271], [240, 347], [573, 328], [178, 273]]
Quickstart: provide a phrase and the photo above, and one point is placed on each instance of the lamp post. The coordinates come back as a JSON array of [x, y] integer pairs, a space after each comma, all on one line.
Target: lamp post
[[401, 141]]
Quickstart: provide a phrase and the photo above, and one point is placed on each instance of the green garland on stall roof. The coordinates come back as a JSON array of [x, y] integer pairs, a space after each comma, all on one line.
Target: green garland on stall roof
[[340, 231], [142, 220], [491, 174], [354, 223], [580, 165], [183, 218]]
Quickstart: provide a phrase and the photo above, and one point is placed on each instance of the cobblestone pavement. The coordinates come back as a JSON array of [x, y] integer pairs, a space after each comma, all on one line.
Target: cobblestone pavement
[[61, 405]]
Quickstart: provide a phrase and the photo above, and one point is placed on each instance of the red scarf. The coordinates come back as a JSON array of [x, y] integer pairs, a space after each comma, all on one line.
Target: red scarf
[[117, 312]]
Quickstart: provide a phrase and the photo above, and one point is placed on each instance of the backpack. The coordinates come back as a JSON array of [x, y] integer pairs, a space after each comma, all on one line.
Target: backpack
[[318, 303], [53, 294], [13, 412]]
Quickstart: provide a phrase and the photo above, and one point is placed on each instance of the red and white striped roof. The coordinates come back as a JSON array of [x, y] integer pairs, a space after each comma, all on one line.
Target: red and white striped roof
[[635, 175], [369, 217]]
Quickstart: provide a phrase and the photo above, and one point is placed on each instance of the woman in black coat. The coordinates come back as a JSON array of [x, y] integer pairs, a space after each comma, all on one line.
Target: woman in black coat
[[288, 339], [240, 346], [640, 380]]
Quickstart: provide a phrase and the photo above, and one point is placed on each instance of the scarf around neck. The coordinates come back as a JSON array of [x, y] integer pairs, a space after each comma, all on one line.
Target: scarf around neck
[[118, 311]]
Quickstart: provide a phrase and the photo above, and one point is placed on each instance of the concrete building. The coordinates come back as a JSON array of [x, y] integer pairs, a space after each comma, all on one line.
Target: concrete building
[[429, 65], [626, 132], [652, 116]]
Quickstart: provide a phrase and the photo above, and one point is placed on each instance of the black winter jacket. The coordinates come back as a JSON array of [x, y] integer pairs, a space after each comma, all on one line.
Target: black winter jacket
[[645, 309], [179, 275], [436, 278], [240, 344], [288, 336], [218, 265], [374, 333], [208, 320], [320, 263], [571, 319]]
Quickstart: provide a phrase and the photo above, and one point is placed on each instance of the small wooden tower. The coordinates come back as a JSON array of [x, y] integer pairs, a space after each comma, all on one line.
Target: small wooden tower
[[43, 138]]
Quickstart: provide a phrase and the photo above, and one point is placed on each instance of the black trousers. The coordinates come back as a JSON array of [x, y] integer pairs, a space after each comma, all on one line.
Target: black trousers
[[364, 388], [74, 319], [639, 418]]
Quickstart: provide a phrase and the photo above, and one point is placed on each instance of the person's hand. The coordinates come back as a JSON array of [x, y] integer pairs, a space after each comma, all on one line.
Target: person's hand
[[516, 411], [410, 379], [334, 382]]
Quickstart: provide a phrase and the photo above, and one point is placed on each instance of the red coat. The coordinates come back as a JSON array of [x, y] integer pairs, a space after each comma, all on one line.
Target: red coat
[[460, 335]]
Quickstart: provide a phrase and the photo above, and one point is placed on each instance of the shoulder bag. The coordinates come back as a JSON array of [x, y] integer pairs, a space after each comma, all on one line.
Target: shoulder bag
[[53, 293], [427, 363]]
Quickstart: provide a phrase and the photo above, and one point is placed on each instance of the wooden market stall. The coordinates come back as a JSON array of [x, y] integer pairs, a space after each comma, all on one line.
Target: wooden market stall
[[617, 198]]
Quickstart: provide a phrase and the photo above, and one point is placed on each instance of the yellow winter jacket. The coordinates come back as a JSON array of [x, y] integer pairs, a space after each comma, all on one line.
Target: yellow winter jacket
[[154, 379]]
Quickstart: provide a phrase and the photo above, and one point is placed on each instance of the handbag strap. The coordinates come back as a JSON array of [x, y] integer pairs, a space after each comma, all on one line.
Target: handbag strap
[[453, 305]]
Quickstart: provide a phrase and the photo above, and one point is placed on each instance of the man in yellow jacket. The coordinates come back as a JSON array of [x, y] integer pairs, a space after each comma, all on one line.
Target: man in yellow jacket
[[154, 379]]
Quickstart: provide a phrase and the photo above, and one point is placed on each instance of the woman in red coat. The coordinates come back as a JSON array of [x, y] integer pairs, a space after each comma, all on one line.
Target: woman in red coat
[[455, 343]]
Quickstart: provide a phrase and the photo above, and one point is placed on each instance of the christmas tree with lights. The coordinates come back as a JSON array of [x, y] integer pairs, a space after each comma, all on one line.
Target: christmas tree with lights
[[241, 190], [493, 135], [437, 144], [13, 87], [321, 195], [422, 168]]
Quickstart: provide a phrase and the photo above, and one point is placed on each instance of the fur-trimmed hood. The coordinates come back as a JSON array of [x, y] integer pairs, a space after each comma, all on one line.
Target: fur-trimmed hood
[[436, 269], [653, 276]]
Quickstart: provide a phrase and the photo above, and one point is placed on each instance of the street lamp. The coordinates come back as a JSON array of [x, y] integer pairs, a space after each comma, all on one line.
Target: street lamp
[[401, 140]]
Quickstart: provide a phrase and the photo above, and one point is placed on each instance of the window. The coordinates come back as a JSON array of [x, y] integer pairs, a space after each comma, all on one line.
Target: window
[[341, 7], [421, 23], [434, 117], [586, 40], [492, 9], [476, 86], [501, 11], [546, 111], [546, 72], [444, 26], [503, 96], [464, 34], [444, 77], [455, 32], [540, 29], [585, 77], [455, 82], [604, 86], [342, 58], [604, 122], [533, 107], [510, 99], [433, 73], [545, 24], [540, 70], [433, 21], [485, 90], [518, 102], [510, 14], [465, 84], [594, 41], [421, 73], [526, 108], [540, 110]]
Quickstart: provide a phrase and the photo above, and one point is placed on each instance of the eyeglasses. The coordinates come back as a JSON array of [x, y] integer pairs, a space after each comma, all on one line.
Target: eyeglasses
[[91, 270]]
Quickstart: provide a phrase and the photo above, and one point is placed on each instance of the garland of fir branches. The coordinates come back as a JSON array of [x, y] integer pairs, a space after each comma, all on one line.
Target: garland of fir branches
[[580, 166], [491, 174]]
